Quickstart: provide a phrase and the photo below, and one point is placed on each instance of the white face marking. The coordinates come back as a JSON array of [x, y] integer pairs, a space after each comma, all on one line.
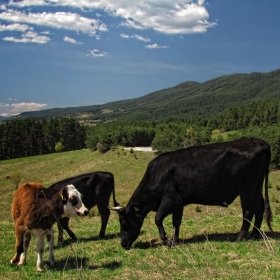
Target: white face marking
[[74, 206]]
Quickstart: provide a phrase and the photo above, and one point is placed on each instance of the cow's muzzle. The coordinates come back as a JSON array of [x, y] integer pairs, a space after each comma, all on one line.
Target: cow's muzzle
[[82, 213]]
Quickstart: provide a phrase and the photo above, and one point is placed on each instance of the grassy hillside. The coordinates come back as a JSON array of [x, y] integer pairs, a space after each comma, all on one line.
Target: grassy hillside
[[207, 249], [187, 99]]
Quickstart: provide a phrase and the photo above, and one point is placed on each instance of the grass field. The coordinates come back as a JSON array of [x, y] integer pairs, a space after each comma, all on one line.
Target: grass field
[[207, 250]]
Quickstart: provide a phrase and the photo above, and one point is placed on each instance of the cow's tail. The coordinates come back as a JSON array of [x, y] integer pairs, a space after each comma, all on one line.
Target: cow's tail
[[267, 209], [114, 195]]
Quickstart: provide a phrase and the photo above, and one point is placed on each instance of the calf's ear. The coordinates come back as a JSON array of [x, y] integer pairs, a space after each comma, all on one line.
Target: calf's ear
[[64, 195]]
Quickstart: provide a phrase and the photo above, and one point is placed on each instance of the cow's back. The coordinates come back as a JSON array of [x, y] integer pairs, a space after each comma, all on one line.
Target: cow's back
[[78, 181], [212, 174], [24, 199], [96, 187]]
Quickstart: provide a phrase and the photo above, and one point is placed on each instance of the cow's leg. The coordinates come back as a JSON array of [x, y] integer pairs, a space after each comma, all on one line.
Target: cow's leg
[[258, 216], [40, 251], [248, 213], [60, 231], [177, 219], [105, 214], [26, 241], [64, 224], [19, 233], [163, 210], [50, 239]]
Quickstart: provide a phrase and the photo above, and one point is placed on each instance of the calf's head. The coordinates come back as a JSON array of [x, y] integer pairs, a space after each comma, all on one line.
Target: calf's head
[[130, 222], [73, 205]]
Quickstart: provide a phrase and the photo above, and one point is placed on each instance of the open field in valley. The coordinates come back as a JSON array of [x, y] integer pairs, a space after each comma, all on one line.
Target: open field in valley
[[207, 249]]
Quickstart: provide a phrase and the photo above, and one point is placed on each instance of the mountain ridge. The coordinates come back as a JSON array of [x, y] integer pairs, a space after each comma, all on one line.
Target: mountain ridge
[[187, 99]]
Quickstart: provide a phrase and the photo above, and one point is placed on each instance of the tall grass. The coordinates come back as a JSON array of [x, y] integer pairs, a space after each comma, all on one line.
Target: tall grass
[[207, 249]]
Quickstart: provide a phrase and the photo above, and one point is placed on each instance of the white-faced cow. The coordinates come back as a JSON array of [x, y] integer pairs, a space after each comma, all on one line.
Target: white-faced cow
[[96, 188], [213, 174], [34, 210]]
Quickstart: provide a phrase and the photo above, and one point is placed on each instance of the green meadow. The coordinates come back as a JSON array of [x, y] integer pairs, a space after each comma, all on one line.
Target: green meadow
[[207, 248]]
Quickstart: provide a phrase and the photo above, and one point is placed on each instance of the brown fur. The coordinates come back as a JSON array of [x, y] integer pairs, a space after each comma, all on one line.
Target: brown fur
[[34, 207]]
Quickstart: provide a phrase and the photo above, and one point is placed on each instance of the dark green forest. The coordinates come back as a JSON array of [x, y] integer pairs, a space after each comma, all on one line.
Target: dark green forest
[[259, 119], [30, 137]]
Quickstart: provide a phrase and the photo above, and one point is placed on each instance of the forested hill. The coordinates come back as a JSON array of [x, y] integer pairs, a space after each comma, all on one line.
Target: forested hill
[[188, 99]]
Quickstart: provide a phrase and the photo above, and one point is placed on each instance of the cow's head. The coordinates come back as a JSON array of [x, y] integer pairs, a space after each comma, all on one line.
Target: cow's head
[[73, 205], [131, 222]]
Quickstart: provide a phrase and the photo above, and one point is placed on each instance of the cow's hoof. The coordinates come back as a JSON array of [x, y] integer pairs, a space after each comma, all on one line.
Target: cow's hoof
[[255, 236], [13, 263], [40, 268], [60, 240]]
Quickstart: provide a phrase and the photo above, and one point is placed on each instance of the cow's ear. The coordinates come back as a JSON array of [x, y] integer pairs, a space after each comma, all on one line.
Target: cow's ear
[[136, 208], [64, 195], [81, 191]]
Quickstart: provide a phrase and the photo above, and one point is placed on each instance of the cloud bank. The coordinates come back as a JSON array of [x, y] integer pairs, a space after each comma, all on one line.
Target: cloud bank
[[165, 16], [65, 20], [17, 108]]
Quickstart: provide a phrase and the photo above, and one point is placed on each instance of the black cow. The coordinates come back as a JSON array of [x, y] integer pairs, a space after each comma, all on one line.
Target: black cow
[[213, 174], [96, 189]]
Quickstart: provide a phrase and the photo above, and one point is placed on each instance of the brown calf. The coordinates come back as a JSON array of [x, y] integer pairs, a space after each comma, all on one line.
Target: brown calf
[[34, 210]]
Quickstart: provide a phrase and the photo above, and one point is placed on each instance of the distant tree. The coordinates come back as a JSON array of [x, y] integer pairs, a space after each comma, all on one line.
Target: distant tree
[[58, 147]]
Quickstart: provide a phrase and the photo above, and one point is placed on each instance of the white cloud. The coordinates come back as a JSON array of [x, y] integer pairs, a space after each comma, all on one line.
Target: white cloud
[[29, 37], [71, 40], [96, 53], [25, 106], [16, 108], [133, 24], [15, 27], [135, 36], [3, 7], [155, 46], [125, 36], [4, 105], [66, 20], [166, 16]]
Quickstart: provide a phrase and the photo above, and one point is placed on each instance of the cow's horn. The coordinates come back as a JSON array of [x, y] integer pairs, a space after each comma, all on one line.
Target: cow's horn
[[117, 208]]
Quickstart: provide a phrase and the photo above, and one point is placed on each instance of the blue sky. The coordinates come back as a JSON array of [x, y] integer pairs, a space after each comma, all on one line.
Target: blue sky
[[68, 53]]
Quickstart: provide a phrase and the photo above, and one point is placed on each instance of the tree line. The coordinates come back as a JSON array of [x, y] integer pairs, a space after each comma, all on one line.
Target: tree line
[[258, 119], [30, 137]]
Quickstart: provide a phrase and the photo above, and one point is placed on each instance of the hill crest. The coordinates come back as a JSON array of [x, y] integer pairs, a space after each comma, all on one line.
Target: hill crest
[[187, 99]]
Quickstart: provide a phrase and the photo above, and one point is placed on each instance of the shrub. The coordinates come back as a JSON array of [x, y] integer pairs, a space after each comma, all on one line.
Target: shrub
[[58, 147], [102, 148], [16, 178]]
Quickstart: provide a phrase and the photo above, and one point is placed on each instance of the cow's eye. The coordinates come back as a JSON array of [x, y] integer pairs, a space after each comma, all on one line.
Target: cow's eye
[[73, 200]]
